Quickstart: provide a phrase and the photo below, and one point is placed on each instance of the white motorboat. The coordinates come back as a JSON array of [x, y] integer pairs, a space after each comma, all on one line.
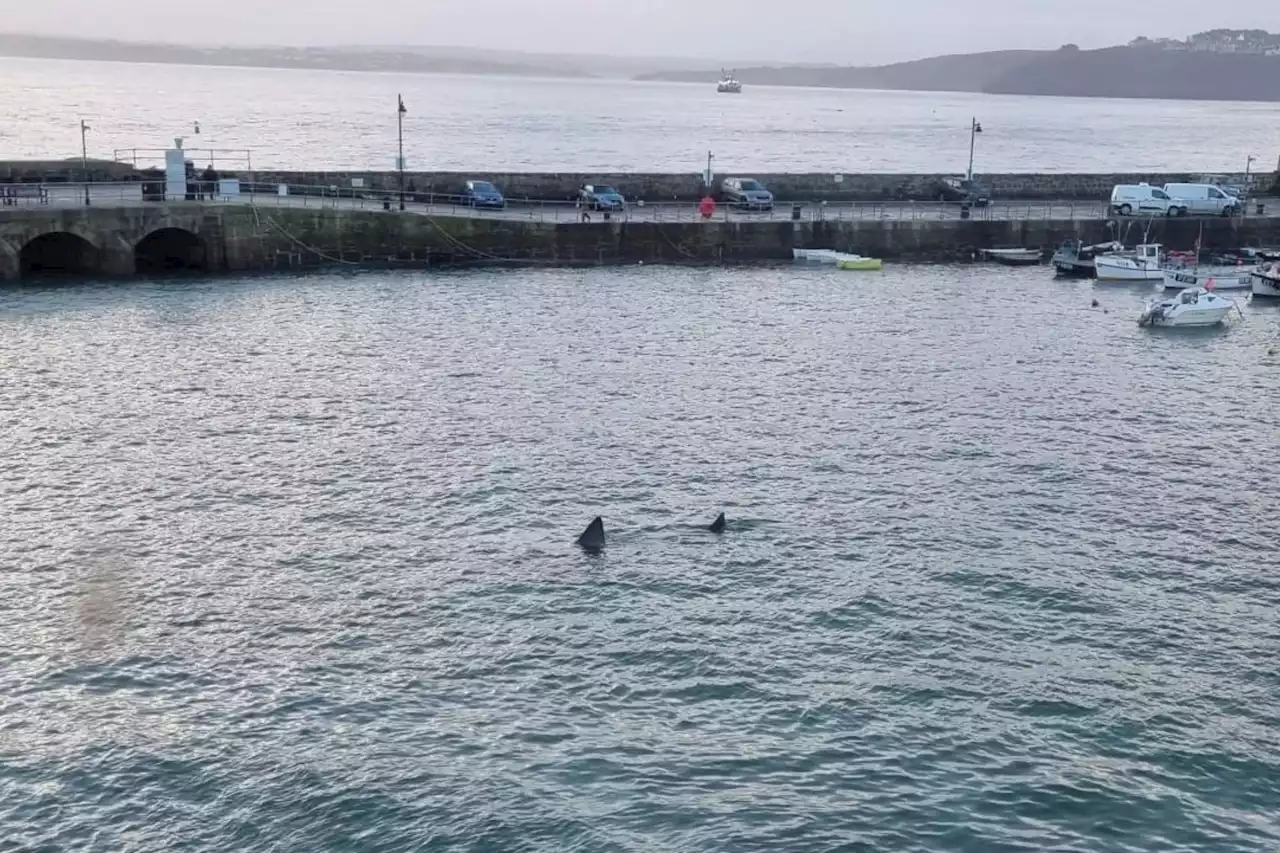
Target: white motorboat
[[1265, 280], [729, 84], [1144, 265], [1207, 279], [1194, 306]]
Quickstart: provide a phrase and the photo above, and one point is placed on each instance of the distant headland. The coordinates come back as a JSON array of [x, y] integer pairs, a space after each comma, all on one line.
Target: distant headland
[[1220, 65], [421, 60], [1217, 65]]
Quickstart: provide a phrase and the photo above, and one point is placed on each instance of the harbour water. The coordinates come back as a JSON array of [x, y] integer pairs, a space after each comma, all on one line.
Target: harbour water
[[334, 120], [289, 565]]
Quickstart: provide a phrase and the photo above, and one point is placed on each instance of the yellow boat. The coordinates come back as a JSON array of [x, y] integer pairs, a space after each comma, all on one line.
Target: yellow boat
[[857, 262]]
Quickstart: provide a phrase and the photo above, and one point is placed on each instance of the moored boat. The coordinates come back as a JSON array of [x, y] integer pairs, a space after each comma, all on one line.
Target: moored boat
[[857, 262], [1074, 260], [1194, 306], [1014, 257], [816, 256], [1144, 265], [841, 260], [1207, 279], [1265, 280]]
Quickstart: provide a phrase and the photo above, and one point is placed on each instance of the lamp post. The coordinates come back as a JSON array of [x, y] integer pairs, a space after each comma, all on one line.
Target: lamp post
[[707, 177], [974, 129], [400, 111], [1244, 192], [84, 158]]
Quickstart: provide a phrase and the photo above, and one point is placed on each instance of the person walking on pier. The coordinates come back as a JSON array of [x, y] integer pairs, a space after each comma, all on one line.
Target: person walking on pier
[[707, 207], [209, 182]]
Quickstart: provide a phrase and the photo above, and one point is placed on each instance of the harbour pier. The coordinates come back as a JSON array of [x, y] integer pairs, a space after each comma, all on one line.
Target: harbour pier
[[121, 232]]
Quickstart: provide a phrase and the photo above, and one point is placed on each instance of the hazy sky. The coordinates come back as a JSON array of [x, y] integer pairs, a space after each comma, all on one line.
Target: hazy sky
[[845, 31]]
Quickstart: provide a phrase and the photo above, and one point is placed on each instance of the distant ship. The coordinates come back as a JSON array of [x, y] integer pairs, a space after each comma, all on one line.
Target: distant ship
[[728, 84]]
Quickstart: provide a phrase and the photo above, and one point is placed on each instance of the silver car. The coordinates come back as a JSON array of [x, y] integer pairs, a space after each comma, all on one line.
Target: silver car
[[746, 194]]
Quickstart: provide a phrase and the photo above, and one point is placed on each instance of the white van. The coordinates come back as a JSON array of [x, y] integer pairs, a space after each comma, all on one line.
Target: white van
[[1128, 199], [1202, 199]]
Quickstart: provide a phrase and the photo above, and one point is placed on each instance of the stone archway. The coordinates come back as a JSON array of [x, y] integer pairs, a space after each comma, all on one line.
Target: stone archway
[[170, 250], [59, 253]]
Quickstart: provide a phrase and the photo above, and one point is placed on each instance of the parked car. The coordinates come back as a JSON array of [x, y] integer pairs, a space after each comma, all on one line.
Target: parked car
[[963, 190], [600, 197], [1204, 199], [746, 194], [483, 194], [1128, 199]]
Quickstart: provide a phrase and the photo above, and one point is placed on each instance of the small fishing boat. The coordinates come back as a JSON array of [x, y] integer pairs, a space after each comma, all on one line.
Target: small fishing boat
[[1194, 306], [857, 262], [817, 256], [840, 260], [1014, 257], [1208, 279], [728, 84], [1144, 265], [1073, 260], [1265, 281]]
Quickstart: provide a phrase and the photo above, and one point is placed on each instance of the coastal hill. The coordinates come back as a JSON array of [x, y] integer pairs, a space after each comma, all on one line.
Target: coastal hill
[[1221, 67], [410, 59]]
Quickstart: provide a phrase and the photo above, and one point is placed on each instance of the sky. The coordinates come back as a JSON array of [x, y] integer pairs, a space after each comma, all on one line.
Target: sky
[[857, 32]]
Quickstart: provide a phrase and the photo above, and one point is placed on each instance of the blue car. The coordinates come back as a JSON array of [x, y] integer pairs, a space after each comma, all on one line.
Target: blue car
[[600, 197], [483, 194]]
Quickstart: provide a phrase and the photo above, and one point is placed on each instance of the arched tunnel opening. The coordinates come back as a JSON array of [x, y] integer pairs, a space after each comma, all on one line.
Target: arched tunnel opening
[[58, 253], [170, 250]]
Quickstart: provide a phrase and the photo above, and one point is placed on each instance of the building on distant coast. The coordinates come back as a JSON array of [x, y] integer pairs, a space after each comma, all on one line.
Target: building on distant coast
[[1258, 42]]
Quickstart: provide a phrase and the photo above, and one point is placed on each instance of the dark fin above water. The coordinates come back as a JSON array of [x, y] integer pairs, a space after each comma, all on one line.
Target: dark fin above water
[[718, 525], [593, 538]]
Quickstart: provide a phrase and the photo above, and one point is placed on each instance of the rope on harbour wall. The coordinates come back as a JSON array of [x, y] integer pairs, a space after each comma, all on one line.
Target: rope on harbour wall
[[301, 245], [477, 255], [325, 256]]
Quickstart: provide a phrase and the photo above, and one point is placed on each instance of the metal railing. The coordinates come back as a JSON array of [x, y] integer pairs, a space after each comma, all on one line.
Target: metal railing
[[132, 193]]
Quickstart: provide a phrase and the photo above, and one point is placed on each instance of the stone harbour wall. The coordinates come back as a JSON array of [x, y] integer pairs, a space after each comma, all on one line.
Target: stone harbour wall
[[240, 238]]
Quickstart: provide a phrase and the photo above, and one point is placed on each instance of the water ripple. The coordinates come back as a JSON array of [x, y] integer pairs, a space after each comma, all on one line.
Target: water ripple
[[290, 566]]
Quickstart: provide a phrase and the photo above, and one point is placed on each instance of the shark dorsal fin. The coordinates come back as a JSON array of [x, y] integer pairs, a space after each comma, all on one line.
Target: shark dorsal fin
[[592, 538]]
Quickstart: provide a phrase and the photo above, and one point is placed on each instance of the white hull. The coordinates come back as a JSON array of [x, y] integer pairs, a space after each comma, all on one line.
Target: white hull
[[1182, 279], [1107, 271], [1194, 318], [1192, 307], [1263, 286], [830, 257], [1143, 265]]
